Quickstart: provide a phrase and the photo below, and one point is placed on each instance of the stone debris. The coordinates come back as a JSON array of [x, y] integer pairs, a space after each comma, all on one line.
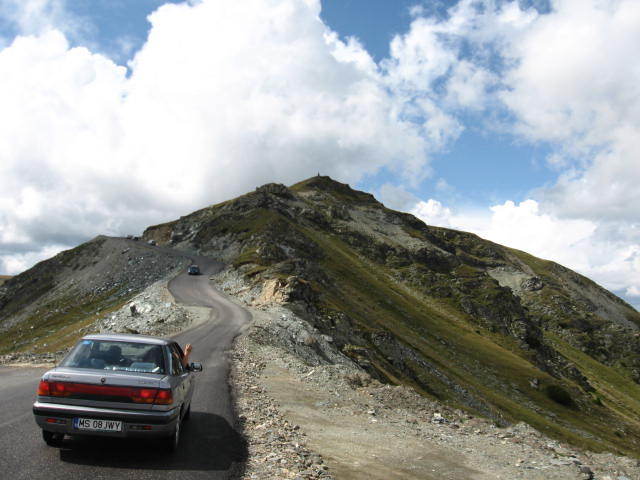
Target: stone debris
[[152, 312], [156, 314], [29, 358], [279, 449]]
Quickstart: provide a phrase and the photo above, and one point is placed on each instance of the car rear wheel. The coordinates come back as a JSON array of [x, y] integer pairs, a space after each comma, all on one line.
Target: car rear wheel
[[171, 443], [52, 439]]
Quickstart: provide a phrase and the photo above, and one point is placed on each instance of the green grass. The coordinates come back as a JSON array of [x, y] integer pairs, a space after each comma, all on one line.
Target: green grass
[[489, 365], [60, 330], [617, 391]]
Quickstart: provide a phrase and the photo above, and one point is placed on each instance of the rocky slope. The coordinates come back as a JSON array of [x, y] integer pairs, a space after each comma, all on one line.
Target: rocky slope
[[461, 320], [305, 418], [42, 309], [156, 313]]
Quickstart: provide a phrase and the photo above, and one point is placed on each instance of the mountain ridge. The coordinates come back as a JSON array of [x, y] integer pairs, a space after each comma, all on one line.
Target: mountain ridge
[[460, 319], [432, 307]]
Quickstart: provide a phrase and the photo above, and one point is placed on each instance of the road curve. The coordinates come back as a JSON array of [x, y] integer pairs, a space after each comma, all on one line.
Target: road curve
[[210, 446]]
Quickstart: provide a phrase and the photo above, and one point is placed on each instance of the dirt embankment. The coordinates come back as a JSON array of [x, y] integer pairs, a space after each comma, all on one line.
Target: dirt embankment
[[306, 416]]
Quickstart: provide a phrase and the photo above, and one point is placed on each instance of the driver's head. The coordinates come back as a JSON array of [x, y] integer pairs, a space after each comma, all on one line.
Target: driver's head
[[114, 353]]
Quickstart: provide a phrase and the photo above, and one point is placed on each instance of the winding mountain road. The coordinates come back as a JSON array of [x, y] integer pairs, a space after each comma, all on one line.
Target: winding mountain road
[[209, 446]]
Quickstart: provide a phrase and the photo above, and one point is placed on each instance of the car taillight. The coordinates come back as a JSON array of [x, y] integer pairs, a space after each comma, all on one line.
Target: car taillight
[[144, 395], [43, 388], [164, 397]]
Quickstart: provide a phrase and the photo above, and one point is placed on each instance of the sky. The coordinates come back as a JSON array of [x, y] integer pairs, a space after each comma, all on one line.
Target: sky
[[515, 120]]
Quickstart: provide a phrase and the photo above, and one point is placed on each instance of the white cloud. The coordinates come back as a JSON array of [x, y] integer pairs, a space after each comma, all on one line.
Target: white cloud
[[32, 17], [396, 197], [566, 77], [432, 212], [576, 84], [223, 96]]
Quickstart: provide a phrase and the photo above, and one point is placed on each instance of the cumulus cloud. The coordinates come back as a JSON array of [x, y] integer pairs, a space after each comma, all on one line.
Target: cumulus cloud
[[30, 17], [565, 77], [222, 97], [583, 92], [432, 212]]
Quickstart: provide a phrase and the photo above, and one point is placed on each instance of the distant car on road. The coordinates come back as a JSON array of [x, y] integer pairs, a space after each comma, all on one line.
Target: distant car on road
[[193, 270], [151, 242], [118, 386]]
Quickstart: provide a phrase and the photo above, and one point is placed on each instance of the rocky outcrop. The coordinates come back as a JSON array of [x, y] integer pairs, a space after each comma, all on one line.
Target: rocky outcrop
[[279, 291], [152, 312]]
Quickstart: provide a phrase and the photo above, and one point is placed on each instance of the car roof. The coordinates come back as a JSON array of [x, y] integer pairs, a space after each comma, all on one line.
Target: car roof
[[123, 337]]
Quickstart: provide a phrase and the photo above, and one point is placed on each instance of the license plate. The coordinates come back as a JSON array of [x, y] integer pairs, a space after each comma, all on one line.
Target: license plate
[[97, 425]]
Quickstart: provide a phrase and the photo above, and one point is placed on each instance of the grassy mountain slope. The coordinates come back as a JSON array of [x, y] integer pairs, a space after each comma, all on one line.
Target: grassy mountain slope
[[464, 320], [46, 308]]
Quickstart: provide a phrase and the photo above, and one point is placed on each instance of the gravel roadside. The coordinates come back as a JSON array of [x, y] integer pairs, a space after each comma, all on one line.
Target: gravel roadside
[[308, 412]]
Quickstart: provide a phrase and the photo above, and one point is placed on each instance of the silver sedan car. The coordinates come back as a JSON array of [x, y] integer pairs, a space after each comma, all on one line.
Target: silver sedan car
[[118, 386]]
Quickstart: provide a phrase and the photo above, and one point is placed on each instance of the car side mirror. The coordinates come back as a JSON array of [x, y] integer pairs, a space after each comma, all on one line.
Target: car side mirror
[[195, 367]]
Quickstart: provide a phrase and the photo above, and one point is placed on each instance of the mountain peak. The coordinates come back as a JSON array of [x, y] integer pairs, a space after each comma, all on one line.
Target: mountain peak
[[341, 191]]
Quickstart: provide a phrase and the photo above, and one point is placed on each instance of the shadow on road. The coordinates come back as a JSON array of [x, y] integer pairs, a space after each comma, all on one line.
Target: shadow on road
[[207, 442]]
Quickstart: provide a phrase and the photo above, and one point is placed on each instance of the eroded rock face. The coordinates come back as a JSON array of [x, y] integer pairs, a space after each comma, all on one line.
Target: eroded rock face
[[293, 289], [272, 292]]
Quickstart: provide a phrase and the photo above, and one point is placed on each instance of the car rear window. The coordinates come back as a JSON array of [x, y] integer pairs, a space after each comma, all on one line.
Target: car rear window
[[112, 355]]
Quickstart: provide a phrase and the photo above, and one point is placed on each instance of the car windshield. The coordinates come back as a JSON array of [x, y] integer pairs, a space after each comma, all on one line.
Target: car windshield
[[112, 355]]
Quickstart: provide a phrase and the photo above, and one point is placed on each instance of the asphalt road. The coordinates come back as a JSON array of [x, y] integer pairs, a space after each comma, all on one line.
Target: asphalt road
[[209, 445]]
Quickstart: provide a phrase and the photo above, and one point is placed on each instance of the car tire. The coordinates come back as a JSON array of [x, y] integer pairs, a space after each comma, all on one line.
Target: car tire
[[171, 442], [52, 439]]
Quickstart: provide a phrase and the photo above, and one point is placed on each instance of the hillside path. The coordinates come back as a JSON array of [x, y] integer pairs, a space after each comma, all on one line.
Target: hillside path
[[209, 443]]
